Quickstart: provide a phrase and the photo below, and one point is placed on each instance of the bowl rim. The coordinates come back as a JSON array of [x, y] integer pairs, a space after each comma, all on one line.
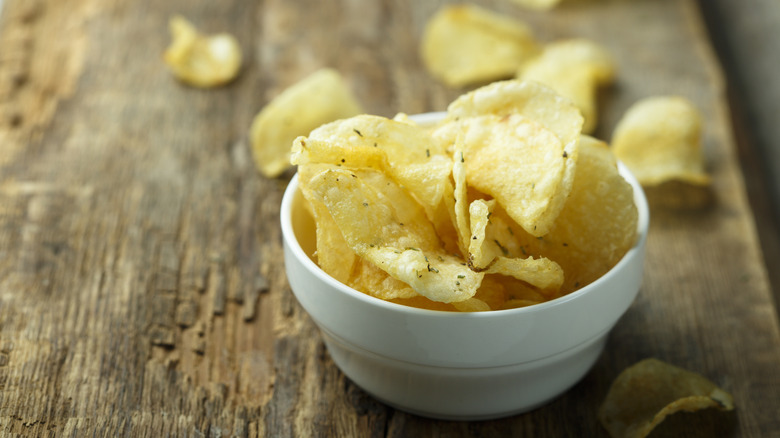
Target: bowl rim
[[289, 237]]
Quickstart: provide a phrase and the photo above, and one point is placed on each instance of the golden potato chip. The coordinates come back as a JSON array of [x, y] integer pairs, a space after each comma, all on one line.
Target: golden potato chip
[[540, 104], [537, 4], [518, 162], [400, 241], [659, 139], [464, 44], [460, 208], [333, 254], [598, 223], [403, 150], [647, 392], [199, 60], [320, 98], [574, 68], [472, 305], [542, 272], [481, 254]]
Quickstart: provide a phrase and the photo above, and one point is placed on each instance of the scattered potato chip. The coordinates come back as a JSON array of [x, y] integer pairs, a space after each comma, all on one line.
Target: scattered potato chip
[[575, 68], [465, 44], [320, 98], [659, 139], [201, 61], [537, 4], [647, 392]]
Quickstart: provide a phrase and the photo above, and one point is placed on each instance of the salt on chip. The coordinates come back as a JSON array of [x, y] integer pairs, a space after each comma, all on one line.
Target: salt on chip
[[647, 392], [387, 237], [319, 98], [465, 44], [201, 60], [659, 139], [517, 161], [575, 68]]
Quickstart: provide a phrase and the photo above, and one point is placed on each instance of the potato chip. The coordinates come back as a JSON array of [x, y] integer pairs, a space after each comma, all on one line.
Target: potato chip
[[199, 60], [598, 223], [659, 139], [517, 161], [647, 392], [472, 305], [574, 68], [465, 44], [320, 98], [540, 104], [537, 4], [403, 150], [400, 241], [335, 256]]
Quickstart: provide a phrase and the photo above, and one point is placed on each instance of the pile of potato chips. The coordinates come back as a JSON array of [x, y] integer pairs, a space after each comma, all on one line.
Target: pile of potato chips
[[502, 204]]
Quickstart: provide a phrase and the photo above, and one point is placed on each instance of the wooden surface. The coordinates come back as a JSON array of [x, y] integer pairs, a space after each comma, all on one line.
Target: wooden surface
[[142, 287]]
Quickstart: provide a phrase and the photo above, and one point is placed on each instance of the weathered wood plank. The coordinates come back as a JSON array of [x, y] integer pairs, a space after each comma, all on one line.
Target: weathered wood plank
[[142, 289]]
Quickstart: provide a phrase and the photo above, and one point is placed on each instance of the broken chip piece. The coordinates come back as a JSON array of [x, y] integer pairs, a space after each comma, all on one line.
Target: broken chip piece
[[649, 391], [201, 60]]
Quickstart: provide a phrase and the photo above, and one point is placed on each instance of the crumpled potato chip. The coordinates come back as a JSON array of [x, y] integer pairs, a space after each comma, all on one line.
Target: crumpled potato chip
[[650, 390], [659, 139], [319, 98], [199, 60], [466, 44], [575, 68], [518, 162], [394, 236]]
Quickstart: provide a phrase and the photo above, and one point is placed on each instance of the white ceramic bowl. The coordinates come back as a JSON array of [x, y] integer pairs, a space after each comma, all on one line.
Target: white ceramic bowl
[[464, 366]]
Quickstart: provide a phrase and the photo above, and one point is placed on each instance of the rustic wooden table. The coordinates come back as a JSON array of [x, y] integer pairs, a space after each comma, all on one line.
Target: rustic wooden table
[[142, 287]]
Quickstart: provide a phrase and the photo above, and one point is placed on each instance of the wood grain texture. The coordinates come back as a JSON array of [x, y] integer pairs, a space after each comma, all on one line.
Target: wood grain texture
[[142, 287]]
